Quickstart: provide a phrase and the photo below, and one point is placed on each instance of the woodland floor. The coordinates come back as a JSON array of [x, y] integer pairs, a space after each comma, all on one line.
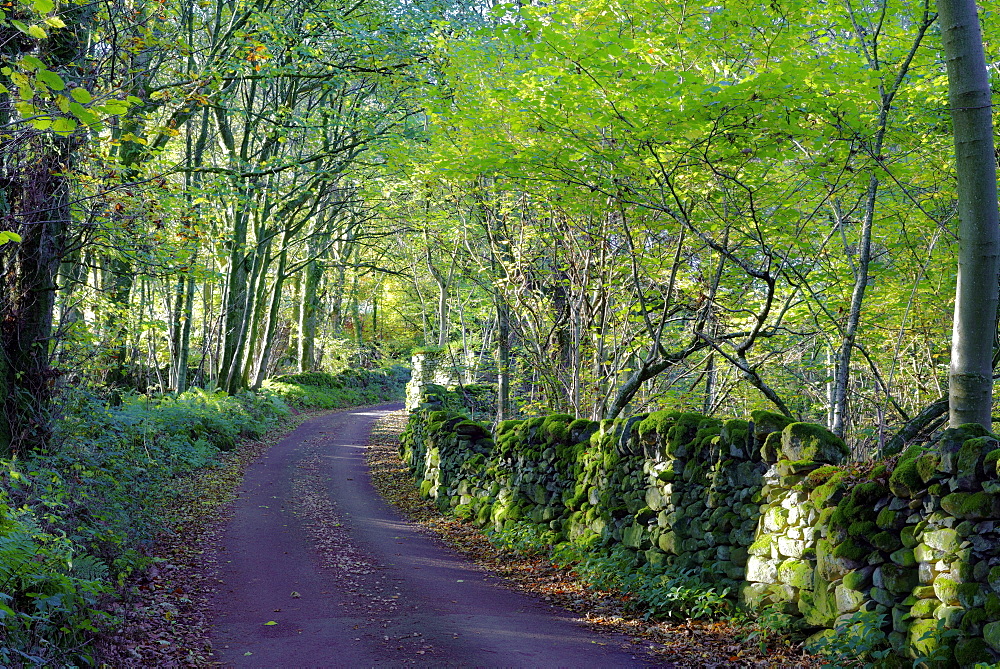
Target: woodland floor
[[353, 602]]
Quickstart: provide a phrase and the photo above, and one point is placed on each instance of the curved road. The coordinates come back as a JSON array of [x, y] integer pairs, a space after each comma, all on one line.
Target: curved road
[[315, 569]]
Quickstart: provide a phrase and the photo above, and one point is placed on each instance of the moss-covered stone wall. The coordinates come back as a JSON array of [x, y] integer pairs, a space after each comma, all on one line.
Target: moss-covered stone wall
[[765, 506]]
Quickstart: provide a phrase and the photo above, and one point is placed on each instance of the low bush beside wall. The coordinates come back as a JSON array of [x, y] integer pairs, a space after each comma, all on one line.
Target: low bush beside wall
[[765, 507]]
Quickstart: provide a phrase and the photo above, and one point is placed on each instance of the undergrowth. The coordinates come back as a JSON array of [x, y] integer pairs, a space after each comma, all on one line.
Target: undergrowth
[[352, 387], [656, 592], [77, 521]]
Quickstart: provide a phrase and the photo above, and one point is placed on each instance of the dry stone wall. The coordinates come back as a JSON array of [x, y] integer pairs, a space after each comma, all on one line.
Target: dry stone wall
[[765, 506]]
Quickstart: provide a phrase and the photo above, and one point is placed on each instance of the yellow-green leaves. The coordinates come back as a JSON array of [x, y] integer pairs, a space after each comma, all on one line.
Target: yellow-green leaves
[[5, 237], [81, 95], [51, 79], [45, 100]]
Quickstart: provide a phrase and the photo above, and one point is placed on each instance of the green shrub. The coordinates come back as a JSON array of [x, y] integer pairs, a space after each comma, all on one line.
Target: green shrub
[[859, 641], [48, 596], [659, 592]]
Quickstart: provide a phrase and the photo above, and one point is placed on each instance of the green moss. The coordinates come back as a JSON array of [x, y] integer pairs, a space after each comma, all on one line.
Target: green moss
[[946, 590], [856, 507], [555, 429], [583, 427], [818, 477], [734, 432], [857, 580], [951, 440], [483, 514], [830, 492], [972, 618], [990, 462], [768, 421], [970, 595], [809, 441], [887, 542], [862, 528], [887, 519], [927, 464], [970, 652], [761, 546], [867, 493], [905, 480], [851, 550], [610, 459], [904, 557], [992, 607], [680, 437], [657, 423], [970, 505], [507, 426]]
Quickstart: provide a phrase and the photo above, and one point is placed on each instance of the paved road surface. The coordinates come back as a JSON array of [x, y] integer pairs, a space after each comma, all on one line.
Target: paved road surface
[[317, 570]]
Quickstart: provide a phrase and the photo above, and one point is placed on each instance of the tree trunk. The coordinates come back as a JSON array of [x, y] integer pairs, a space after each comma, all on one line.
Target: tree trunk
[[970, 389], [271, 324], [41, 214], [308, 316]]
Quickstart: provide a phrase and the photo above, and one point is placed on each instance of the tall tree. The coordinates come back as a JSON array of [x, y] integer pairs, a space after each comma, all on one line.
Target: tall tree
[[970, 388]]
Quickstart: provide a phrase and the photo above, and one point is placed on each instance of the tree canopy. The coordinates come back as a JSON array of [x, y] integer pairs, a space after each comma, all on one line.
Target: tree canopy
[[604, 207]]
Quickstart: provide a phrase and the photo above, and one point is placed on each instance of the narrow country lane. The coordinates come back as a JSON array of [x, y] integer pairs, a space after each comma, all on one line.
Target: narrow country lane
[[315, 569]]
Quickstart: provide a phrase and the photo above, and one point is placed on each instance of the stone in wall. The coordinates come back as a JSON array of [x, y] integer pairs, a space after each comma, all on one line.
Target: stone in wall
[[431, 367], [765, 507]]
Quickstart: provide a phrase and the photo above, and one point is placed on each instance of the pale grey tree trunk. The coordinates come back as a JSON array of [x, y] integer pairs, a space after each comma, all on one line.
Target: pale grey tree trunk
[[970, 389]]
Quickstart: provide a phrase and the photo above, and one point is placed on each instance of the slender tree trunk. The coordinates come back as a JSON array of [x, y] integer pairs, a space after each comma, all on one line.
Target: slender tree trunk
[[308, 316], [887, 95], [842, 375], [234, 300], [296, 335], [970, 390], [184, 349], [271, 324]]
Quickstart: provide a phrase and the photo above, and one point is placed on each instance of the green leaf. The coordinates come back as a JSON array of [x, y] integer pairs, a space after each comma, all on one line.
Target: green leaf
[[64, 126], [5, 237], [30, 63], [41, 123], [37, 32], [270, 622], [115, 107], [43, 6], [25, 108], [52, 80], [84, 114], [81, 95], [55, 22]]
